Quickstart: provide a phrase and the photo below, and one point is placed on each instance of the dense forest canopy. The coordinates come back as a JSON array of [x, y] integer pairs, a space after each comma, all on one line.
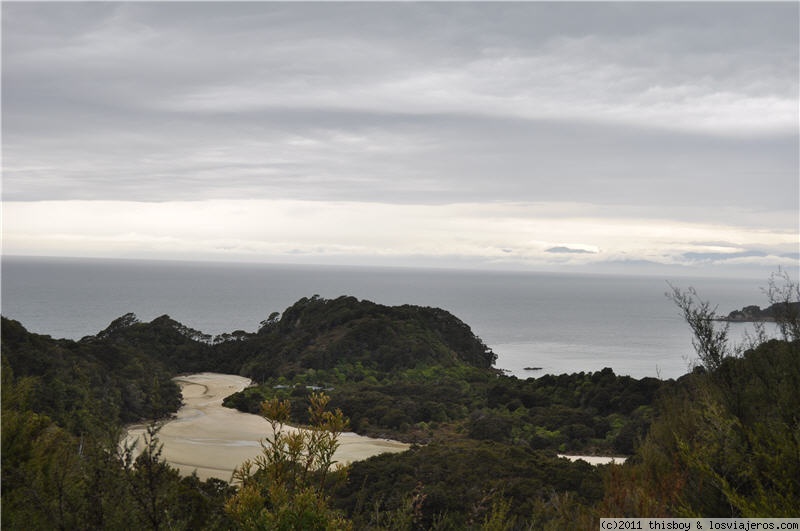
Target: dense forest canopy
[[720, 441]]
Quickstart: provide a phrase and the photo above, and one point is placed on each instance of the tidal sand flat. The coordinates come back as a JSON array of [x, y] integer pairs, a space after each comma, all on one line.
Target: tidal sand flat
[[595, 459], [212, 440]]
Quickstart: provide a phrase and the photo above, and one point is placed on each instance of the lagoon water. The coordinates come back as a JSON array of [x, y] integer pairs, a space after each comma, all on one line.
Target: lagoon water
[[558, 322]]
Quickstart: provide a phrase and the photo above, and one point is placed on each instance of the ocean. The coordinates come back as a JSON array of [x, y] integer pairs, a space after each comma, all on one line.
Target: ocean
[[559, 323]]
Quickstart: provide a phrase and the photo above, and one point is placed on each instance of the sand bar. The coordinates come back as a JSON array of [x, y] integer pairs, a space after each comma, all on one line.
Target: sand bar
[[212, 440], [595, 459]]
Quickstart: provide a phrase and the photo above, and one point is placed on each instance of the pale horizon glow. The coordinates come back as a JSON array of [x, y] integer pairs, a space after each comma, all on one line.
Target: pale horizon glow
[[632, 138], [484, 234]]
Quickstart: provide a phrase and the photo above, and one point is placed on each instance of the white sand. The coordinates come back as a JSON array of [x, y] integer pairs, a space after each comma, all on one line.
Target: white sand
[[595, 459], [213, 440]]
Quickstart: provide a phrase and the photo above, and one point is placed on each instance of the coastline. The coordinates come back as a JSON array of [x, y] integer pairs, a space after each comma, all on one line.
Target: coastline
[[207, 438]]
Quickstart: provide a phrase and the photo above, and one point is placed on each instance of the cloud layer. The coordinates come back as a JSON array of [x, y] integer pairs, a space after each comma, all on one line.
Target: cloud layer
[[669, 113]]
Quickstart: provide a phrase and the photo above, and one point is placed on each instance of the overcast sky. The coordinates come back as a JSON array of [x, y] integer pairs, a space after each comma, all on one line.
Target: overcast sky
[[629, 136]]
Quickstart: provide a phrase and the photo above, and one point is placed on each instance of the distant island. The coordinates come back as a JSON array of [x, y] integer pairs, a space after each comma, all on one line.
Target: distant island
[[754, 314]]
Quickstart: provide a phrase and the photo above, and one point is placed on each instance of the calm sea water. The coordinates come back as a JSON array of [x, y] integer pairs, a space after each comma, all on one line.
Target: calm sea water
[[559, 322]]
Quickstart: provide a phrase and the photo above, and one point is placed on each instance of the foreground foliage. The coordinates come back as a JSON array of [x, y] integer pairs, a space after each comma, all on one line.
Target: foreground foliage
[[723, 440], [726, 441], [53, 479], [285, 487], [489, 474]]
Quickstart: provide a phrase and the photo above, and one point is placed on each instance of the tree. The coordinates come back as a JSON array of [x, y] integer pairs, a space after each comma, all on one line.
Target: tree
[[152, 481], [284, 488], [709, 340], [270, 321], [784, 295]]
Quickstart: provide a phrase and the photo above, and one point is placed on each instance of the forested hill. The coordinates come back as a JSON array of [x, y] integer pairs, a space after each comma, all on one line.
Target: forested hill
[[130, 363], [77, 383], [313, 333], [320, 334]]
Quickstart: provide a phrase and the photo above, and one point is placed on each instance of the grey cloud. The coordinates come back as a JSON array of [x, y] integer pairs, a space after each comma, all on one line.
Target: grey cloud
[[404, 159], [703, 257], [401, 102], [568, 250], [164, 49]]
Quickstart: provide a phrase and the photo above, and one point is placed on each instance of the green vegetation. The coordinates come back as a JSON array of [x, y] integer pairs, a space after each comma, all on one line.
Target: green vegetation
[[415, 374], [75, 383], [456, 484], [63, 407], [726, 441], [285, 487], [320, 334], [723, 440], [584, 412]]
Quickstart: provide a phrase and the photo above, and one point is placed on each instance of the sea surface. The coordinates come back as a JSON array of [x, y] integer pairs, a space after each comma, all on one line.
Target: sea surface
[[558, 323]]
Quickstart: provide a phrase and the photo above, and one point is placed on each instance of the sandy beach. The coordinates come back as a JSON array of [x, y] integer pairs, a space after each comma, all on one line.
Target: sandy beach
[[213, 440]]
